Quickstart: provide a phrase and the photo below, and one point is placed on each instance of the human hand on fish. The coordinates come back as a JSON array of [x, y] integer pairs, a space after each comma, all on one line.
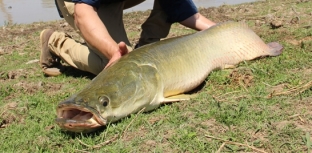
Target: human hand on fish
[[123, 50]]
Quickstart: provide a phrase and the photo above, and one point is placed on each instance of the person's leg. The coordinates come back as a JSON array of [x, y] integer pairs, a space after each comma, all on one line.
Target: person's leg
[[76, 54], [70, 51], [131, 3], [67, 9], [155, 27], [111, 15], [197, 22], [81, 56]]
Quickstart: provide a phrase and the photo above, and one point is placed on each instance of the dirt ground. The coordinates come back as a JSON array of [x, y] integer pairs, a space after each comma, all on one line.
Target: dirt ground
[[16, 38], [280, 19]]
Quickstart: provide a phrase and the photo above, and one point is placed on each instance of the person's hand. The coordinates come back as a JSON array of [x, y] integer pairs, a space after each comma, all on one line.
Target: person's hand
[[122, 51]]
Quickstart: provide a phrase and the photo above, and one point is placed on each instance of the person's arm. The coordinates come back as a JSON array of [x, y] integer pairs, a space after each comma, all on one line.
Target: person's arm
[[95, 33], [185, 12], [197, 22]]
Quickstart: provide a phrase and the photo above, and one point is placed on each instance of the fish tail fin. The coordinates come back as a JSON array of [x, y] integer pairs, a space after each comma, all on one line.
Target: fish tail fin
[[275, 48]]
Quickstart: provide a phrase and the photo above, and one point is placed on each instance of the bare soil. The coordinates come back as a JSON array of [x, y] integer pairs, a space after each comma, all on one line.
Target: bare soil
[[283, 19]]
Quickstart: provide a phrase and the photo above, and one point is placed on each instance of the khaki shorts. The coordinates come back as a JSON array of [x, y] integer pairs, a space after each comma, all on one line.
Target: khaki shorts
[[82, 57]]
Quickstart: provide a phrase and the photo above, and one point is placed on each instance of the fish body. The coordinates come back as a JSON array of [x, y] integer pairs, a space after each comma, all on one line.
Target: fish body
[[159, 73]]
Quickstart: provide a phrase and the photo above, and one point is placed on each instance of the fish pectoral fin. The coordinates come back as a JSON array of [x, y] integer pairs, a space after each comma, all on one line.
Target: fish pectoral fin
[[228, 66], [176, 98]]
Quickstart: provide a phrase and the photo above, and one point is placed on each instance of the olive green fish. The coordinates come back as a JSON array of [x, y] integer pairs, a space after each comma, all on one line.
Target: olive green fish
[[160, 73]]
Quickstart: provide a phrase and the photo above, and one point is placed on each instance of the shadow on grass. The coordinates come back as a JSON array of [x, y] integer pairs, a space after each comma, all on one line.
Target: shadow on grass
[[93, 134], [76, 73]]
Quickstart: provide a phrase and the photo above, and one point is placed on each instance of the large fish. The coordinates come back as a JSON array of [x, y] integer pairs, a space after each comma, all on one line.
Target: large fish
[[160, 73]]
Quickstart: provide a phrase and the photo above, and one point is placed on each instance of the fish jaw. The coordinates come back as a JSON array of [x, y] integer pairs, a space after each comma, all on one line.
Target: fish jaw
[[76, 118], [124, 93]]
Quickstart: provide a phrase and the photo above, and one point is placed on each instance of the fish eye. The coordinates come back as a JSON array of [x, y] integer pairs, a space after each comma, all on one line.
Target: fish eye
[[104, 100]]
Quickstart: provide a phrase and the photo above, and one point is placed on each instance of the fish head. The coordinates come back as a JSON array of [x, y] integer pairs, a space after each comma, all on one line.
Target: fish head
[[108, 98]]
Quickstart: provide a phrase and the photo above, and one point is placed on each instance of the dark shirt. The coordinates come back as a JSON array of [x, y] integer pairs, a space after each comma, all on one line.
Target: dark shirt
[[96, 3], [176, 10]]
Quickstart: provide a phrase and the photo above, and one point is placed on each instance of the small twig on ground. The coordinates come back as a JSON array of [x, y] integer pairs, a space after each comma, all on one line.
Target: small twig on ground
[[84, 143], [293, 116], [234, 143], [296, 90], [112, 139], [297, 115], [82, 151], [227, 94], [240, 83], [267, 84], [4, 108], [293, 9], [302, 120], [221, 147], [255, 18], [232, 98], [105, 143], [1, 114], [132, 122], [220, 98]]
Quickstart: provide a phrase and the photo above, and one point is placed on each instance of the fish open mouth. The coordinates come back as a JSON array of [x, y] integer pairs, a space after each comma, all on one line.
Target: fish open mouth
[[76, 119]]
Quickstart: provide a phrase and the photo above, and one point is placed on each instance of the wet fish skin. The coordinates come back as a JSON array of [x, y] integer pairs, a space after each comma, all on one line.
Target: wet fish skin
[[161, 72]]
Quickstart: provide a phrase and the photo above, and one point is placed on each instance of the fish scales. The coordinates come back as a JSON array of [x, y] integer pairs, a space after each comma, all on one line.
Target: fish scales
[[158, 73], [188, 63]]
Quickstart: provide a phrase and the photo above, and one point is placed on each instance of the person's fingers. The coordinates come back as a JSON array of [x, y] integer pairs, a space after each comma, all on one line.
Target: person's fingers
[[122, 51], [113, 59], [123, 48]]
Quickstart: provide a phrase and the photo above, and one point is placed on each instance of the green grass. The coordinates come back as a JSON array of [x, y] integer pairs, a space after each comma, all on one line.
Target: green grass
[[234, 107]]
